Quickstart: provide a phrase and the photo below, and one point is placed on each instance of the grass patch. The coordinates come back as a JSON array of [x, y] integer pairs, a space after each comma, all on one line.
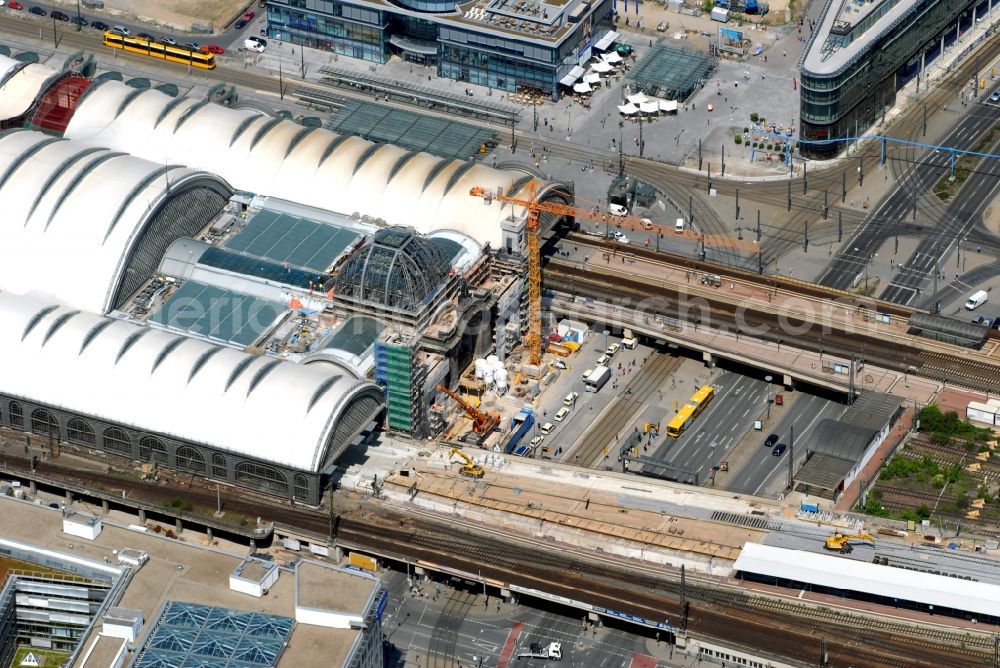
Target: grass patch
[[47, 658], [946, 187]]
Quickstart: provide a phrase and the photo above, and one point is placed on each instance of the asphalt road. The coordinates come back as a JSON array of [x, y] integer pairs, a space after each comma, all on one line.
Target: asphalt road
[[763, 468], [738, 401], [962, 214], [898, 206], [448, 626]]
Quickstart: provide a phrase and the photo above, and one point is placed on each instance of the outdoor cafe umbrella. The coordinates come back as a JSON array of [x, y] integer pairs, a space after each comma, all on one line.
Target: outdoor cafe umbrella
[[582, 87], [628, 109]]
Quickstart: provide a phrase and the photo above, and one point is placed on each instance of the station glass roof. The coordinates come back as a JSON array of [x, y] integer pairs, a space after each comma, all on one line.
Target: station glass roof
[[267, 269], [298, 241], [217, 314]]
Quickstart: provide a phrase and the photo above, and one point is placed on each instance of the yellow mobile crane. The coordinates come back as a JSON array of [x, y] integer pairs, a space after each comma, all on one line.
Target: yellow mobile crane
[[469, 467], [841, 542]]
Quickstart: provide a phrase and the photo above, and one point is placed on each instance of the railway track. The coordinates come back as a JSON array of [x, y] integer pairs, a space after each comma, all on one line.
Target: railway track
[[975, 374], [914, 497], [784, 628]]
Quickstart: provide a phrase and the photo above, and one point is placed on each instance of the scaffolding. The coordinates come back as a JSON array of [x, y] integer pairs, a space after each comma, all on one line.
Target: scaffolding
[[401, 377]]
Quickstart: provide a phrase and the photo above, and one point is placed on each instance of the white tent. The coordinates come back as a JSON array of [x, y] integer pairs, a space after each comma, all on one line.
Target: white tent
[[612, 57], [582, 87], [668, 105], [592, 78], [638, 98], [628, 109], [601, 67], [649, 107]]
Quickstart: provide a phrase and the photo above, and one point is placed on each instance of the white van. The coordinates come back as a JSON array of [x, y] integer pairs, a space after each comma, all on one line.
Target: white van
[[977, 299], [679, 226], [617, 210]]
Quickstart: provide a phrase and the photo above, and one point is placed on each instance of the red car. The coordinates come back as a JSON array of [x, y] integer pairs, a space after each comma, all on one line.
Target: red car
[[13, 4], [249, 16], [212, 48]]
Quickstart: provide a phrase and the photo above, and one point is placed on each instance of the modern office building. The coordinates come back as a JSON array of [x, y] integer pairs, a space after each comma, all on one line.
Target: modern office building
[[509, 45], [861, 52]]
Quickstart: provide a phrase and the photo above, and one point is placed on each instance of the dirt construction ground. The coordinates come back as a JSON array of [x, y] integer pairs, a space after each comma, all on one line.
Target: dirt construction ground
[[173, 13]]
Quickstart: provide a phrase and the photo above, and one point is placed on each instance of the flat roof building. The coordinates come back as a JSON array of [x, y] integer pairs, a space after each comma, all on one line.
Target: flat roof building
[[506, 45], [861, 53]]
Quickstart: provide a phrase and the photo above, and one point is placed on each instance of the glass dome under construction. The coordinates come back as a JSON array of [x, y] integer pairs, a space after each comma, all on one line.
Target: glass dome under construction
[[396, 268]]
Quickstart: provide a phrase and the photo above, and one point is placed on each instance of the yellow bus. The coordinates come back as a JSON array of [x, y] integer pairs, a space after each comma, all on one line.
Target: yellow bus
[[175, 54], [702, 398], [684, 417]]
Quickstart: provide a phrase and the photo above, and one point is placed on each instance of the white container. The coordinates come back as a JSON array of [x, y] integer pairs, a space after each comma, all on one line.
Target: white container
[[481, 365], [501, 386], [488, 376], [500, 375], [492, 359]]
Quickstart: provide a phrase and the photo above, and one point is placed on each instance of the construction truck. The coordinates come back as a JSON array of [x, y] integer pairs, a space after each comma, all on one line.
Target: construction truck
[[552, 651], [469, 467], [841, 542]]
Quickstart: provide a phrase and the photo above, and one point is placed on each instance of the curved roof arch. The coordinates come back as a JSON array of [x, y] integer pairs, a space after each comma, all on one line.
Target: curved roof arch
[[73, 215], [268, 157], [275, 411]]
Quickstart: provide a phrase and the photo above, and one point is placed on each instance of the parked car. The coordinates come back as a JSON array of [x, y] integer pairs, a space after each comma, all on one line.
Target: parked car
[[547, 427], [13, 4], [99, 25], [613, 349], [251, 44], [561, 414], [249, 15], [168, 40], [537, 440], [60, 16], [122, 30], [212, 48], [559, 364], [995, 97], [770, 441], [570, 399], [779, 449], [980, 320], [38, 11], [662, 26], [617, 210], [194, 46], [996, 323], [78, 20], [146, 36], [620, 237], [241, 24]]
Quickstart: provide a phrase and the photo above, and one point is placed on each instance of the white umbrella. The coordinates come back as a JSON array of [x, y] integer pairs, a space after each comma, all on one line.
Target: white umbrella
[[601, 67], [612, 57], [668, 105], [638, 98], [592, 78], [650, 107], [628, 109], [582, 87]]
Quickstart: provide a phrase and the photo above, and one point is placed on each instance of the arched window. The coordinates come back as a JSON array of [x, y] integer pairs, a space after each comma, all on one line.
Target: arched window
[[117, 442], [189, 459], [219, 469], [301, 488], [261, 477], [78, 431], [16, 414], [43, 422], [152, 450]]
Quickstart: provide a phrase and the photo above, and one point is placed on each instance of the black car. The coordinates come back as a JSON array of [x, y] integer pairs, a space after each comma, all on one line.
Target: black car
[[770, 441], [779, 449], [145, 35], [78, 20], [38, 11], [99, 25], [60, 16], [241, 24], [996, 323], [980, 320]]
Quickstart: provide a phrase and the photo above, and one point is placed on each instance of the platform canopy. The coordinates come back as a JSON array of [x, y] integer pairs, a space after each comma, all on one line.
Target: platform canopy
[[860, 576]]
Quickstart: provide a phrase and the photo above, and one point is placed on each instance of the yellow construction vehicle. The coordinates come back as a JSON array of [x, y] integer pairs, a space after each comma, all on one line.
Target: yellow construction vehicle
[[841, 542], [469, 467]]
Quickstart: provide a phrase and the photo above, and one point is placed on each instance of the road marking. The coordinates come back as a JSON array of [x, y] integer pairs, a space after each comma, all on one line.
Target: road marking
[[746, 412], [508, 646]]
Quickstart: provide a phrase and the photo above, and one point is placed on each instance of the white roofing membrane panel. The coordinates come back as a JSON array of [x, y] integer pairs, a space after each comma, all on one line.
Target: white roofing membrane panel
[[852, 575], [255, 406], [309, 173], [58, 231]]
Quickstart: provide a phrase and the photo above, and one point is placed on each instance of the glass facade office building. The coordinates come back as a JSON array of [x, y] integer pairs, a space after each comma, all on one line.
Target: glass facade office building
[[508, 45], [861, 53]]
